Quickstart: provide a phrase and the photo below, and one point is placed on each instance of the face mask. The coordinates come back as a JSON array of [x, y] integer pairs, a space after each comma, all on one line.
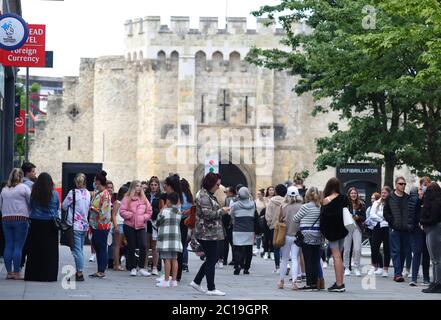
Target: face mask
[[424, 189], [94, 185]]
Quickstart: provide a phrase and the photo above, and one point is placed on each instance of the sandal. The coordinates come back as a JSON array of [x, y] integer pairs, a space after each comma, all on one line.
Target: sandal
[[10, 276], [97, 275], [280, 285], [17, 276]]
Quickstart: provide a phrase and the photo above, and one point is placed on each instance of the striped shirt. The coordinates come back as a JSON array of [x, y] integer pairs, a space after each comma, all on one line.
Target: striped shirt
[[309, 215]]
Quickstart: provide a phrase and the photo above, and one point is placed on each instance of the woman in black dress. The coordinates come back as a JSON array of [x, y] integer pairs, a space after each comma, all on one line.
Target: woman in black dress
[[42, 261]]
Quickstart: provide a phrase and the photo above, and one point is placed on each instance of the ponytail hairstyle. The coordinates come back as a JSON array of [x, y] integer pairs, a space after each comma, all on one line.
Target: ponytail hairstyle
[[313, 195], [15, 177]]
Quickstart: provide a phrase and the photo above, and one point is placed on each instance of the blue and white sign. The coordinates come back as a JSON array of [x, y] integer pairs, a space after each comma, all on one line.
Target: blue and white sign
[[14, 31]]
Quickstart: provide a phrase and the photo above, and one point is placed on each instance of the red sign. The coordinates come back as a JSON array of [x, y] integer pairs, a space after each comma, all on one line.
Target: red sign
[[20, 123], [32, 54]]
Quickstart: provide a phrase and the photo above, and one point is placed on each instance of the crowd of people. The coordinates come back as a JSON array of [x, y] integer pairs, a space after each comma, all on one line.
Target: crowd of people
[[144, 219]]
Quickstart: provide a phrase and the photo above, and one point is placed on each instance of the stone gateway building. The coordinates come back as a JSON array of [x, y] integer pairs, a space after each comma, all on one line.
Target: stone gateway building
[[177, 98]]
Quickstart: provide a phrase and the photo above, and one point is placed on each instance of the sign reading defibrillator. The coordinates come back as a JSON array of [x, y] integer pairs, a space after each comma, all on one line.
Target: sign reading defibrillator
[[14, 31]]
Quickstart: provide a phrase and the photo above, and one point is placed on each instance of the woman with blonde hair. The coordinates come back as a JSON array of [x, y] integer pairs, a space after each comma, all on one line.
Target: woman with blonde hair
[[309, 219], [136, 211], [77, 203], [15, 200]]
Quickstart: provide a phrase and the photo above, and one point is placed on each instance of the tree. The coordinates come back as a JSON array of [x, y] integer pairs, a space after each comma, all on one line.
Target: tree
[[349, 58]]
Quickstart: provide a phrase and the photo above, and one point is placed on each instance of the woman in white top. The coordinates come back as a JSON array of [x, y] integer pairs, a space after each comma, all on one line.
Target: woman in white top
[[80, 223], [380, 233], [118, 232]]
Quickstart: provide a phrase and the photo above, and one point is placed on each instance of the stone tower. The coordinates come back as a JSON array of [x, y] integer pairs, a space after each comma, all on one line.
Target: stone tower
[[177, 96]]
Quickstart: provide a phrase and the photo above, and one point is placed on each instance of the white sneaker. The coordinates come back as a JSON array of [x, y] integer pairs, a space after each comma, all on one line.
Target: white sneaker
[[155, 271], [159, 279], [371, 271], [347, 272], [163, 284], [197, 287], [173, 284], [266, 257], [385, 274], [92, 258], [133, 272], [144, 273], [325, 265], [409, 275], [272, 257], [357, 272], [220, 265], [378, 272], [276, 270], [405, 273], [215, 293]]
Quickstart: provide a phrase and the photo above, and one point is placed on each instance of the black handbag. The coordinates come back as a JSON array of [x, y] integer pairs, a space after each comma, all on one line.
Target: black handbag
[[67, 234], [300, 238]]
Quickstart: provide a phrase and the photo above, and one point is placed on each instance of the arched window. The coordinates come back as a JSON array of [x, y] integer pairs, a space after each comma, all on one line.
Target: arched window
[[141, 56], [129, 57], [174, 59], [218, 61], [161, 59], [235, 61], [201, 61], [134, 56]]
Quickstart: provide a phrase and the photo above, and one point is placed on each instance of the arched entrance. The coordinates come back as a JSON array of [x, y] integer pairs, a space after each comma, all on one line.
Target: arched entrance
[[231, 175]]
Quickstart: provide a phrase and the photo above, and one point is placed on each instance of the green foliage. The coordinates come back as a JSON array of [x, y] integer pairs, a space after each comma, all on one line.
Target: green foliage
[[19, 143], [381, 72]]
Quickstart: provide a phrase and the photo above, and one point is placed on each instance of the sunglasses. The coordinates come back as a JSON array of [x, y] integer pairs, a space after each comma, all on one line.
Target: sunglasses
[[402, 183]]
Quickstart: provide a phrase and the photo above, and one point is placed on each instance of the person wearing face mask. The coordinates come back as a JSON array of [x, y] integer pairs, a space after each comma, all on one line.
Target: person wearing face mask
[[424, 183], [99, 222]]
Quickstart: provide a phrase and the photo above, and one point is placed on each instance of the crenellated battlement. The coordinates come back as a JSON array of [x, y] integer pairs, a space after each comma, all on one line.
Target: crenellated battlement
[[207, 26], [146, 37]]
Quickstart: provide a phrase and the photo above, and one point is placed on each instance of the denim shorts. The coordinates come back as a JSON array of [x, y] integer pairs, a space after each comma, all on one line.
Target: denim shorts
[[338, 244]]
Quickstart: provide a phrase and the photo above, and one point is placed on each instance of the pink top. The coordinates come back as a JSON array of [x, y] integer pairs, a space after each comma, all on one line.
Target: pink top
[[137, 214]]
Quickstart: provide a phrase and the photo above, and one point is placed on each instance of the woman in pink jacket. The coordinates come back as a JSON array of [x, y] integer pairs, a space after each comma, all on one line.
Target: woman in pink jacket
[[136, 211]]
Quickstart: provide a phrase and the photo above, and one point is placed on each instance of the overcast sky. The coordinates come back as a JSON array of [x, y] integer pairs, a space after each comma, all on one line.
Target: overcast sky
[[93, 28]]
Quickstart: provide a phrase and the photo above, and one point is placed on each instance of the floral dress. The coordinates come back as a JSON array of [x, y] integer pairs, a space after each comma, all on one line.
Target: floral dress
[[100, 220]]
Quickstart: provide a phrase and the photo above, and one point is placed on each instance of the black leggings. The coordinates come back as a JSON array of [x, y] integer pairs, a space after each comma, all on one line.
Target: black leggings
[[136, 239], [242, 257], [267, 240], [184, 230], [207, 269], [380, 235], [311, 254]]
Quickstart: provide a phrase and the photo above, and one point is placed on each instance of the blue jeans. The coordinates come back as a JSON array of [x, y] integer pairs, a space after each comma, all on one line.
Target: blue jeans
[[77, 251], [99, 242], [399, 248], [15, 233], [416, 245]]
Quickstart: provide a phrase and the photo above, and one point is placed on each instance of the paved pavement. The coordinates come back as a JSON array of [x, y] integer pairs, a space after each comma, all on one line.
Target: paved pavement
[[259, 285]]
